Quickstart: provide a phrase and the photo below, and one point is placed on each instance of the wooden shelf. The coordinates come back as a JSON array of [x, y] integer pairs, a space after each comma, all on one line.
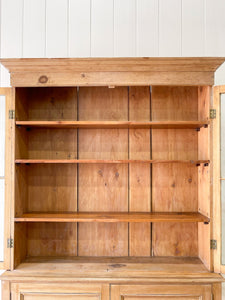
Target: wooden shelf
[[112, 217], [116, 124], [105, 161], [163, 269]]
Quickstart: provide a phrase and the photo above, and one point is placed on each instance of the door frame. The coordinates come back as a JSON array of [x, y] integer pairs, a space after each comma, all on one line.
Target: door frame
[[9, 123], [217, 253]]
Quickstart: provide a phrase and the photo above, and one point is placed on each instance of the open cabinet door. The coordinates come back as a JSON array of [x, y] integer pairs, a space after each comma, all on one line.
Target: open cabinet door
[[6, 156], [218, 123]]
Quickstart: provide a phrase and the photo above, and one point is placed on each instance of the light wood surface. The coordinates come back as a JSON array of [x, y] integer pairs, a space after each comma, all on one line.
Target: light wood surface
[[5, 290], [204, 176], [217, 291], [45, 143], [103, 187], [109, 217], [114, 268], [71, 292], [139, 175], [174, 186], [71, 79], [50, 104], [9, 142], [217, 222], [206, 64], [190, 292], [109, 161], [116, 124], [112, 71]]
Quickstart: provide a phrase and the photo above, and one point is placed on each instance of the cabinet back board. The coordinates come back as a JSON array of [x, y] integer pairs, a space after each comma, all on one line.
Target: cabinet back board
[[122, 187]]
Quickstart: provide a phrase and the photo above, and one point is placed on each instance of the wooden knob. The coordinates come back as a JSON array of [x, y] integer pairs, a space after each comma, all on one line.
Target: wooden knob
[[43, 79]]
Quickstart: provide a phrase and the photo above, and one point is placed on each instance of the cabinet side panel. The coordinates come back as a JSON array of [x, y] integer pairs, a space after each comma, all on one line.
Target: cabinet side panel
[[20, 243], [103, 187], [204, 173], [139, 174], [174, 186]]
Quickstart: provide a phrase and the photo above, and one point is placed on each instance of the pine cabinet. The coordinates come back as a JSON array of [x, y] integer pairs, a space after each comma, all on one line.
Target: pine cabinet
[[112, 185]]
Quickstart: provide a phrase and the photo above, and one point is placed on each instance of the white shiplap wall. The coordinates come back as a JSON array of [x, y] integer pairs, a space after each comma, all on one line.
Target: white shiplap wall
[[107, 28]]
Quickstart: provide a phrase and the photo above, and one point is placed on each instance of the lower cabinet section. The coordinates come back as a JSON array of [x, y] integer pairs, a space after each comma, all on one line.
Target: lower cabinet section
[[36, 291], [89, 291], [161, 292]]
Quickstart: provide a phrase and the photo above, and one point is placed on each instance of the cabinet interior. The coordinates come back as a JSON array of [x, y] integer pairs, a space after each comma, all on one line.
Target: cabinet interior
[[116, 166]]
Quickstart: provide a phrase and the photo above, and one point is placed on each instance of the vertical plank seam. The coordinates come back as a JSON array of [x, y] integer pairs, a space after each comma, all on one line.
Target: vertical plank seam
[[90, 28], [135, 38], [158, 26], [137, 35], [181, 25], [22, 37], [181, 28], [68, 28], [113, 28], [45, 20], [204, 27]]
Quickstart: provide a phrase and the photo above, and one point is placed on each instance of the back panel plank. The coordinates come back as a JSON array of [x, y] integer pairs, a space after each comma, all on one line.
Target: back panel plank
[[42, 143], [51, 239], [51, 188], [103, 187], [174, 186], [48, 103], [139, 174]]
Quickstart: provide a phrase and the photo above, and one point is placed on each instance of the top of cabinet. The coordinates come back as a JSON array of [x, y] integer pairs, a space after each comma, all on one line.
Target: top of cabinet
[[112, 71]]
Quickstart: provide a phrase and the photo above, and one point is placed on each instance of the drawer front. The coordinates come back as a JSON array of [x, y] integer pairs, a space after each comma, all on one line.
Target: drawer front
[[60, 291], [161, 292]]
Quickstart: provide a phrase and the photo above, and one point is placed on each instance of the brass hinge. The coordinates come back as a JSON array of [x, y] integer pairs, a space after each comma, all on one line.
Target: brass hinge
[[213, 244], [11, 114], [212, 113], [10, 243]]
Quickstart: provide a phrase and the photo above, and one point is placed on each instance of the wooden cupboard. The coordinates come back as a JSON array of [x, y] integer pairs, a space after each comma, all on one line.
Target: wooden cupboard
[[110, 190]]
